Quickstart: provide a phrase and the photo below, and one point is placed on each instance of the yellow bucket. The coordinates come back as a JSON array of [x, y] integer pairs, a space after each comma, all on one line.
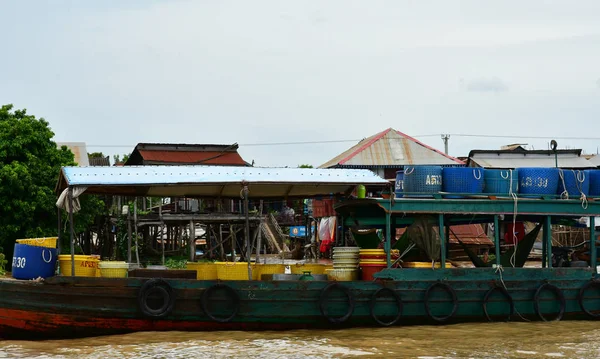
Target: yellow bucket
[[270, 268], [314, 268], [204, 270], [85, 266], [113, 269], [424, 265], [233, 271], [48, 242]]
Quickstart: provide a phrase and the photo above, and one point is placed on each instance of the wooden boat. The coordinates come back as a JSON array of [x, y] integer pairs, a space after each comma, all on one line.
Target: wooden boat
[[86, 306]]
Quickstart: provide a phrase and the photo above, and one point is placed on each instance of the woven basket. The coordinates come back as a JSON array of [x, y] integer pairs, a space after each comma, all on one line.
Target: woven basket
[[537, 181], [462, 180], [233, 271], [204, 270], [85, 266], [113, 269], [342, 275], [574, 182], [594, 182], [422, 180], [48, 242], [501, 181]]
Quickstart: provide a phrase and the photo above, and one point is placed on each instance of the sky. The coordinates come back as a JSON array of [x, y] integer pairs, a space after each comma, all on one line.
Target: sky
[[116, 73]]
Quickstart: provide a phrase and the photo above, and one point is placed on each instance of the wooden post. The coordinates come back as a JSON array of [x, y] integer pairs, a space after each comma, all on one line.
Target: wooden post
[[135, 227], [497, 239], [192, 241], [222, 257], [163, 235], [70, 195], [247, 234], [58, 235], [442, 241], [548, 240], [128, 234], [388, 238], [593, 245], [260, 213]]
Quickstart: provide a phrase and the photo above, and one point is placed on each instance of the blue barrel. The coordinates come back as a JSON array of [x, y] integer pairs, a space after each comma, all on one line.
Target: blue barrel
[[573, 182], [399, 187], [31, 262], [501, 181], [594, 176], [462, 180], [422, 181], [538, 181]]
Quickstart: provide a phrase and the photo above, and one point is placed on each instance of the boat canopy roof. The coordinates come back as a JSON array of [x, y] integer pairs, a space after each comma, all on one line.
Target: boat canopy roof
[[215, 181]]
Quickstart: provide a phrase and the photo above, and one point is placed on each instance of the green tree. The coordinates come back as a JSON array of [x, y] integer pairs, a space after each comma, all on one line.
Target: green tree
[[117, 159], [305, 166], [30, 164]]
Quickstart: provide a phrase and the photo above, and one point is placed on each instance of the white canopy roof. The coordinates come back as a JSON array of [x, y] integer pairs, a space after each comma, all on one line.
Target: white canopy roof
[[215, 181]]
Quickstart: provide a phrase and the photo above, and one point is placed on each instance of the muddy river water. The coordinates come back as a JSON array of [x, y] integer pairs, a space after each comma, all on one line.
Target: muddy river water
[[567, 339]]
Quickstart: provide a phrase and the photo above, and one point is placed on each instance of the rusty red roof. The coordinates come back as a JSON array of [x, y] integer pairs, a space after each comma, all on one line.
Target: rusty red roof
[[190, 154], [390, 148], [191, 157], [469, 234]]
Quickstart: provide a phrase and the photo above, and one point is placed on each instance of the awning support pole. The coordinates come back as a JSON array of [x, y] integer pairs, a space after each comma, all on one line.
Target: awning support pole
[[442, 241], [388, 238], [128, 234], [548, 240], [135, 228], [593, 257], [248, 244], [497, 239], [72, 234], [192, 241]]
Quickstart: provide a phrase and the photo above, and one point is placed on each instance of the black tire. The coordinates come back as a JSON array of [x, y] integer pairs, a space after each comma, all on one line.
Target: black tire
[[160, 287], [205, 299], [559, 295], [323, 300], [448, 289], [581, 296], [373, 302], [507, 295]]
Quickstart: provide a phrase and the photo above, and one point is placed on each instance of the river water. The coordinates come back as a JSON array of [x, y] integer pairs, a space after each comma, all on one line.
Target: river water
[[568, 339]]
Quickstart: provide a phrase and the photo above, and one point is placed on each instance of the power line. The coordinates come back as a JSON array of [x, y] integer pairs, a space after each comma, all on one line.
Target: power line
[[358, 140]]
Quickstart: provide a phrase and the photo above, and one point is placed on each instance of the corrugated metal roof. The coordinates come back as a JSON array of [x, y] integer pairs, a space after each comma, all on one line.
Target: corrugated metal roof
[[390, 148], [506, 160], [594, 160], [79, 150], [99, 161], [216, 181]]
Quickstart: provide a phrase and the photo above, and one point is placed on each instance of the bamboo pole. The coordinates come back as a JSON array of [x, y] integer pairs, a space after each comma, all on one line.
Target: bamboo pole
[[247, 234]]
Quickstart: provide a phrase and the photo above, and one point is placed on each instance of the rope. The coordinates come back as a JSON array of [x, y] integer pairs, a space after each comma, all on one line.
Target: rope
[[499, 270], [579, 179], [565, 193]]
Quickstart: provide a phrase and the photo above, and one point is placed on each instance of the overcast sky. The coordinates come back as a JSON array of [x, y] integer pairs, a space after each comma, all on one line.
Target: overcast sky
[[122, 72]]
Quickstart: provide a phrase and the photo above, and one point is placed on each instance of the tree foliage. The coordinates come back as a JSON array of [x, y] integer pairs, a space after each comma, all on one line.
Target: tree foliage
[[30, 164], [305, 166]]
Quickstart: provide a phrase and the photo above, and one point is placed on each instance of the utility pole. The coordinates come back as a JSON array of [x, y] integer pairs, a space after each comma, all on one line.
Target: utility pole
[[445, 138]]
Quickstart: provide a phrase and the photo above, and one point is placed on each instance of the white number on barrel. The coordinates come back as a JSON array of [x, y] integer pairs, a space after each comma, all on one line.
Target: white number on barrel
[[19, 262]]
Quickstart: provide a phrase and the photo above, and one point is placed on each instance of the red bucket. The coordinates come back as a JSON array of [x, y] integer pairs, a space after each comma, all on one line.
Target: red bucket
[[369, 269]]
